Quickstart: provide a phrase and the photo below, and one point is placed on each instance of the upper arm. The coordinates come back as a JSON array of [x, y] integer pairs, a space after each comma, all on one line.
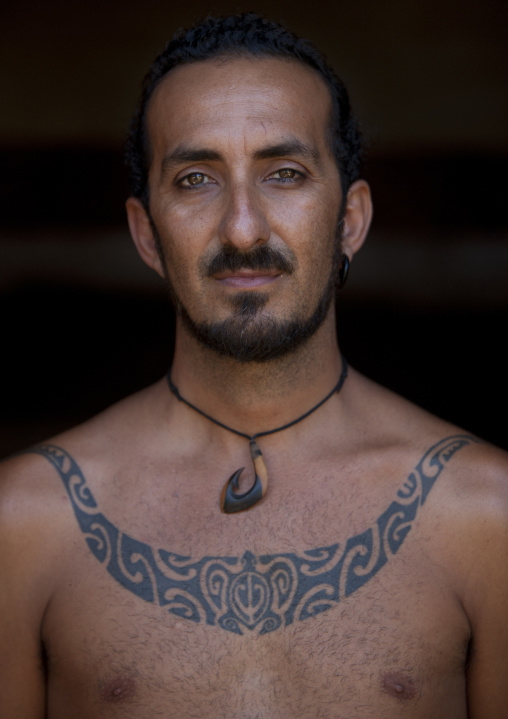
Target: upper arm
[[487, 671], [22, 683], [24, 592], [484, 567]]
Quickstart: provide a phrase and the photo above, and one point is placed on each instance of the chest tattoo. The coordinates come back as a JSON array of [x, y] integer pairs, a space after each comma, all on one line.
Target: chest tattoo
[[251, 593]]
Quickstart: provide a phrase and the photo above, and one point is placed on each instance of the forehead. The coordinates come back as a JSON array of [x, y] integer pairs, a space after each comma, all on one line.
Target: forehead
[[247, 99]]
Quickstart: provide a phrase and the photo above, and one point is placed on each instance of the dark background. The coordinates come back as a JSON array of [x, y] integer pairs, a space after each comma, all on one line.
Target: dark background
[[425, 311]]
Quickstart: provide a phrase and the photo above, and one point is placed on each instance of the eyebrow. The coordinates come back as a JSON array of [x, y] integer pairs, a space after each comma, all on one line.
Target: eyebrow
[[184, 154], [287, 148]]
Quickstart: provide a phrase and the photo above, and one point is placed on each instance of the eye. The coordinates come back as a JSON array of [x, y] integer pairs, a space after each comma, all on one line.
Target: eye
[[287, 175], [195, 179]]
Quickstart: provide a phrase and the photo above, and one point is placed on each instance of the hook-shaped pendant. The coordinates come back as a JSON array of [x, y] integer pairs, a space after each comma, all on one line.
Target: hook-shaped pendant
[[231, 502]]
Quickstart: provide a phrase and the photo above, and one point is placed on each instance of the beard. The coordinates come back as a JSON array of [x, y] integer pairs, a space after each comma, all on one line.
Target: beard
[[246, 335]]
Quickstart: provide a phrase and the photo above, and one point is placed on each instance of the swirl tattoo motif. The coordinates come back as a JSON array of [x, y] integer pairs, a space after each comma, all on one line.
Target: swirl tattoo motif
[[251, 593]]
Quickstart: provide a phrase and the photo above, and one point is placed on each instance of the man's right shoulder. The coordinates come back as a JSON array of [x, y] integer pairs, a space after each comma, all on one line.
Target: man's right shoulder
[[26, 484], [32, 502], [28, 478], [35, 536], [34, 532]]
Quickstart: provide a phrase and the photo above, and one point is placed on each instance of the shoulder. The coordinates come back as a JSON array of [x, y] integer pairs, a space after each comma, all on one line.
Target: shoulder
[[477, 489], [481, 477], [31, 504], [32, 482], [464, 526], [34, 532], [474, 499], [468, 476], [105, 435], [37, 526], [473, 488], [475, 549], [27, 490], [385, 419], [36, 537], [34, 501], [468, 530]]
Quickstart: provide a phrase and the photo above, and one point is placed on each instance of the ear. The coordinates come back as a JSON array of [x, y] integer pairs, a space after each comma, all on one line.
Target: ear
[[142, 234], [357, 218]]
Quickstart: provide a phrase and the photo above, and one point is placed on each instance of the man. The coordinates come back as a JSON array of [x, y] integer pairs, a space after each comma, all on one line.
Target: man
[[356, 567]]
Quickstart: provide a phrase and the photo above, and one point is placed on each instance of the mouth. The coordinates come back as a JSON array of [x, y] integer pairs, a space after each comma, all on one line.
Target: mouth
[[247, 279]]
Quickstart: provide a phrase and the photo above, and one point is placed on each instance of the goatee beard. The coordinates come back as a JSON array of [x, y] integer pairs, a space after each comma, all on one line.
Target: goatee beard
[[246, 338], [245, 335]]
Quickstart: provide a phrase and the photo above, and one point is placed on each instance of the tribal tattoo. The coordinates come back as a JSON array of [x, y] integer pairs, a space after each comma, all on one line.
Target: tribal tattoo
[[256, 593]]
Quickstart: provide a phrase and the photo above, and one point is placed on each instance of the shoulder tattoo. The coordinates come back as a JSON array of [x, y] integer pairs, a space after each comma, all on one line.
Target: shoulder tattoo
[[251, 593]]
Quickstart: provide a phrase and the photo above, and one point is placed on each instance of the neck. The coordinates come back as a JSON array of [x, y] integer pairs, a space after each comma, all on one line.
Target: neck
[[254, 396]]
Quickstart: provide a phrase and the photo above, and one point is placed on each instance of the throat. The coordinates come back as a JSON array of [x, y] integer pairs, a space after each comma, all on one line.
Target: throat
[[232, 500]]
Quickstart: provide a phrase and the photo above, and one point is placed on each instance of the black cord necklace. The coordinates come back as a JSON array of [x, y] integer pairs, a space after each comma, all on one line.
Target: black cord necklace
[[229, 501]]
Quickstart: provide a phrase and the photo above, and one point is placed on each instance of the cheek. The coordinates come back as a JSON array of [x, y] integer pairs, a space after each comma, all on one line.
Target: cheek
[[179, 257], [184, 238], [314, 213], [316, 234]]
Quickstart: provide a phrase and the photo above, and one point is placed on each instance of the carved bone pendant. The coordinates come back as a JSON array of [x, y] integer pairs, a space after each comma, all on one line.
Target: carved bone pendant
[[231, 502]]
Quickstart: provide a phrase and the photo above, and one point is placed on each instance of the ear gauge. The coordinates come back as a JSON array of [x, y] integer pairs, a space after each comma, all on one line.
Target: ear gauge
[[343, 271]]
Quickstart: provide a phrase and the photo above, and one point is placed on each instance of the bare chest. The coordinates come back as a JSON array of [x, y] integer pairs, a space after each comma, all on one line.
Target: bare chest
[[382, 653], [362, 627]]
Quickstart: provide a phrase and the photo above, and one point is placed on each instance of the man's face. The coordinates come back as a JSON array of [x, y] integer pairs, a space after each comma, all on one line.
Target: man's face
[[244, 199]]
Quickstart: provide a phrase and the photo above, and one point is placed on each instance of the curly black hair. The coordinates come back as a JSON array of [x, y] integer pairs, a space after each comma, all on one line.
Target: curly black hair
[[245, 35]]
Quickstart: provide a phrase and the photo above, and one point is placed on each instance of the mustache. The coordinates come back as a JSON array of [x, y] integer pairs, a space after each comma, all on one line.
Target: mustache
[[230, 259]]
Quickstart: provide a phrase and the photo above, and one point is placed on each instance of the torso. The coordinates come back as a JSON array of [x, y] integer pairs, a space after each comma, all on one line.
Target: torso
[[394, 645], [379, 655]]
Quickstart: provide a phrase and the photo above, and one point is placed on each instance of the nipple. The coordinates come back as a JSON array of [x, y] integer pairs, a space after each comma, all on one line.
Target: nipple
[[399, 685], [117, 690]]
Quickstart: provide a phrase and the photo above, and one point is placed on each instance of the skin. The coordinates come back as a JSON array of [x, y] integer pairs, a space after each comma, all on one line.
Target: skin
[[425, 636]]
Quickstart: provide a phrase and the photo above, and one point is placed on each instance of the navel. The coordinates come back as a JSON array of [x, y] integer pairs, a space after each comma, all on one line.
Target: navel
[[399, 685]]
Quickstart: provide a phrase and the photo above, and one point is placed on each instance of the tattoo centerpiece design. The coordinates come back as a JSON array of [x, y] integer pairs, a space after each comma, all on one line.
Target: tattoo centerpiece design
[[260, 593]]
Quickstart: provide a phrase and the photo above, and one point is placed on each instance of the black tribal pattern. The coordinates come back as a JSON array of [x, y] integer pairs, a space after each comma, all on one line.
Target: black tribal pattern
[[257, 593]]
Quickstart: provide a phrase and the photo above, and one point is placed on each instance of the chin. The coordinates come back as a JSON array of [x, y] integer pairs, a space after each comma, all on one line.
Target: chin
[[249, 335]]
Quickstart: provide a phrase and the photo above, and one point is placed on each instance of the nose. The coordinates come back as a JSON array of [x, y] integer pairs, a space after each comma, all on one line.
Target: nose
[[244, 223]]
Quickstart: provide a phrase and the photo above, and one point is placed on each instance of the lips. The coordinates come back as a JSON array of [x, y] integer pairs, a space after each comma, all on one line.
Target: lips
[[247, 279]]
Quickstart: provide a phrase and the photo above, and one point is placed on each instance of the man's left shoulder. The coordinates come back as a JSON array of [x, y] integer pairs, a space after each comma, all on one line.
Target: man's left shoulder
[[475, 552], [471, 509], [478, 475], [472, 491]]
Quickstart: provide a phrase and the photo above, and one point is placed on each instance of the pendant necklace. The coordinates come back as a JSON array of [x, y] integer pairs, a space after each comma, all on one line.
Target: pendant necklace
[[230, 502]]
